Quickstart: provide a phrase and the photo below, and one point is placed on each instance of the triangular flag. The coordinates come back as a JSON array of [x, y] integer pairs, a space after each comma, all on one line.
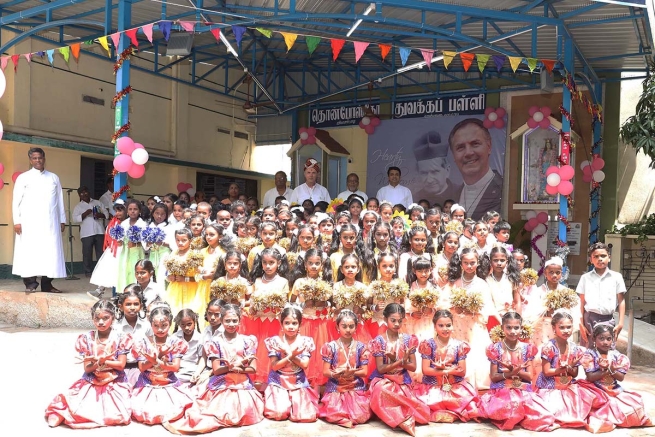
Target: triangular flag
[[165, 27], [14, 60], [189, 26], [116, 39], [499, 61], [28, 56], [238, 33], [131, 34], [548, 64], [65, 52], [448, 58], [216, 32], [467, 60], [360, 48], [51, 56], [289, 39], [514, 61], [532, 64], [404, 54], [75, 49], [3, 62], [337, 45], [384, 50], [427, 57], [88, 42], [312, 42], [482, 61], [266, 32], [147, 31], [105, 45]]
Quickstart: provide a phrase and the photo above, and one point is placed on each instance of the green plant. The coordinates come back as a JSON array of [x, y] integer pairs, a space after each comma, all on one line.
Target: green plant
[[642, 229], [639, 130]]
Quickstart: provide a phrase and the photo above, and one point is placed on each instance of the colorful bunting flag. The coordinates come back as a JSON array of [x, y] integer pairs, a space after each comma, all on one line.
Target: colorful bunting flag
[[104, 44], [360, 48], [51, 56], [312, 42], [147, 31], [404, 54], [548, 64], [75, 49], [532, 63], [131, 34], [266, 32], [467, 60], [88, 42], [3, 62], [14, 60], [514, 61], [289, 39], [28, 56], [337, 45], [165, 27], [448, 58], [499, 61], [482, 61], [427, 57], [115, 39], [65, 52], [238, 33], [384, 50], [189, 26], [216, 32]]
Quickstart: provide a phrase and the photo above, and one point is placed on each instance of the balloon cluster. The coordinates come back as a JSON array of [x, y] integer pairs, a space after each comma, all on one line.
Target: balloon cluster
[[494, 117], [307, 135], [593, 171], [185, 186], [369, 124], [539, 117], [558, 180], [13, 176], [536, 222], [132, 159]]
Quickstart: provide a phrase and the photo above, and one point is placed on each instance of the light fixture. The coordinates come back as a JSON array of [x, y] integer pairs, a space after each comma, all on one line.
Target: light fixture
[[368, 10], [419, 65], [228, 45]]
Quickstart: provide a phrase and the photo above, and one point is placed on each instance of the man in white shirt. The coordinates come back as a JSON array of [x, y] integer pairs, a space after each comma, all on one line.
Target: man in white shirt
[[352, 182], [310, 189], [39, 219], [107, 198], [280, 189], [90, 213], [394, 192]]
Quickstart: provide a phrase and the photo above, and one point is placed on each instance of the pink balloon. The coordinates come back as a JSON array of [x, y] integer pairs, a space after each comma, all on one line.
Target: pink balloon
[[552, 169], [181, 186], [123, 163], [546, 111], [532, 110], [15, 176], [533, 222], [597, 163], [187, 186], [362, 125], [137, 171], [542, 217], [565, 188], [125, 145], [302, 129], [587, 178], [551, 190], [2, 168], [487, 123], [370, 129], [2, 184], [531, 123], [138, 146], [545, 123], [376, 121], [527, 226], [489, 110], [587, 171], [499, 123], [501, 112], [566, 172], [311, 131]]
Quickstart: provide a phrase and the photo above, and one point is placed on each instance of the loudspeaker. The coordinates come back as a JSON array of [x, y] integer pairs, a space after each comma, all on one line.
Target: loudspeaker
[[546, 81], [179, 44]]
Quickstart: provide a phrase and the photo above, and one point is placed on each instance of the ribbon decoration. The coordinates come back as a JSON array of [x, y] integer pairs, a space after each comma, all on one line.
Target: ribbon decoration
[[116, 194], [119, 95], [121, 130], [542, 258], [124, 56]]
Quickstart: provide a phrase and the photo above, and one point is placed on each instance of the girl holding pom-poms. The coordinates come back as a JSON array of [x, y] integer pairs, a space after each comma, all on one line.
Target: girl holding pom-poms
[[181, 269], [217, 244], [132, 251], [350, 293]]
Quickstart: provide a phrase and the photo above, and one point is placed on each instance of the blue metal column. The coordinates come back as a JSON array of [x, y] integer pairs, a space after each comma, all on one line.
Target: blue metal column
[[566, 129], [594, 214], [122, 80]]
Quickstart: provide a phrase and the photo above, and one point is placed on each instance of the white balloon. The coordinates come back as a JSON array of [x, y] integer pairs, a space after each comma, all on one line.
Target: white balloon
[[538, 116], [583, 164], [140, 156], [553, 179], [3, 83], [530, 214], [191, 191], [304, 136], [492, 116], [540, 229], [598, 175], [366, 121]]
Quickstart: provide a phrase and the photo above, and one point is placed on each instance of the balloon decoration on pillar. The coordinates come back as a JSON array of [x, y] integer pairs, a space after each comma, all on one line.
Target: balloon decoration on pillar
[[369, 123], [494, 118], [537, 223], [185, 187], [132, 158], [307, 135], [539, 117], [593, 171], [558, 180]]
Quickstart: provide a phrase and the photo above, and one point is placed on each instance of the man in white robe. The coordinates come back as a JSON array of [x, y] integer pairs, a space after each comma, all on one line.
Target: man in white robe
[[310, 189], [39, 219]]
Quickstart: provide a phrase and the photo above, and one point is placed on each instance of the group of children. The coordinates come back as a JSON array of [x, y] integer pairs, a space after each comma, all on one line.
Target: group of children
[[336, 307]]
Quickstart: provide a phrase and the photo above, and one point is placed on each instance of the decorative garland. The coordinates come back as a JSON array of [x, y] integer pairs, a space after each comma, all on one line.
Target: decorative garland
[[119, 95], [542, 258], [121, 130], [564, 220], [596, 111], [124, 56], [117, 194]]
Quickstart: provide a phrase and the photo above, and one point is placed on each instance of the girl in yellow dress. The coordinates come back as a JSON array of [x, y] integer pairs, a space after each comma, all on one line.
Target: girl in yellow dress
[[181, 269]]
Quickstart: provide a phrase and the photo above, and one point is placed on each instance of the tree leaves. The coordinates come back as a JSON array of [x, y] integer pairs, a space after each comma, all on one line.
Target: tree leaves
[[639, 129]]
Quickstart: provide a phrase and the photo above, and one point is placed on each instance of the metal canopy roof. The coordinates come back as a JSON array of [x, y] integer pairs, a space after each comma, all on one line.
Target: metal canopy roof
[[608, 37]]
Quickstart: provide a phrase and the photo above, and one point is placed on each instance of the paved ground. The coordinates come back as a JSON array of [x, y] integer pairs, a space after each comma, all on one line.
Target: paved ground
[[46, 367]]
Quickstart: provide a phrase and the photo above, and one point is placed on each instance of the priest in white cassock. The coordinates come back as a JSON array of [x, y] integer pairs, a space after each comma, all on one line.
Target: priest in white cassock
[[310, 189], [39, 219]]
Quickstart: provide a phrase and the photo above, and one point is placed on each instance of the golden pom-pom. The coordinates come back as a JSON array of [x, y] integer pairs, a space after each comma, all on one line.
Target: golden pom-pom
[[529, 277], [561, 298], [466, 301], [423, 298]]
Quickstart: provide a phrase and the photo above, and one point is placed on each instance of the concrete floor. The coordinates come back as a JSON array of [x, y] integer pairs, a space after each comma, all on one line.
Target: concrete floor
[[42, 365]]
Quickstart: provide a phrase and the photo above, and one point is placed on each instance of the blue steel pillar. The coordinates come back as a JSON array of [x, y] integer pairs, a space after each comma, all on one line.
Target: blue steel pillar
[[566, 129], [121, 115], [594, 214]]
